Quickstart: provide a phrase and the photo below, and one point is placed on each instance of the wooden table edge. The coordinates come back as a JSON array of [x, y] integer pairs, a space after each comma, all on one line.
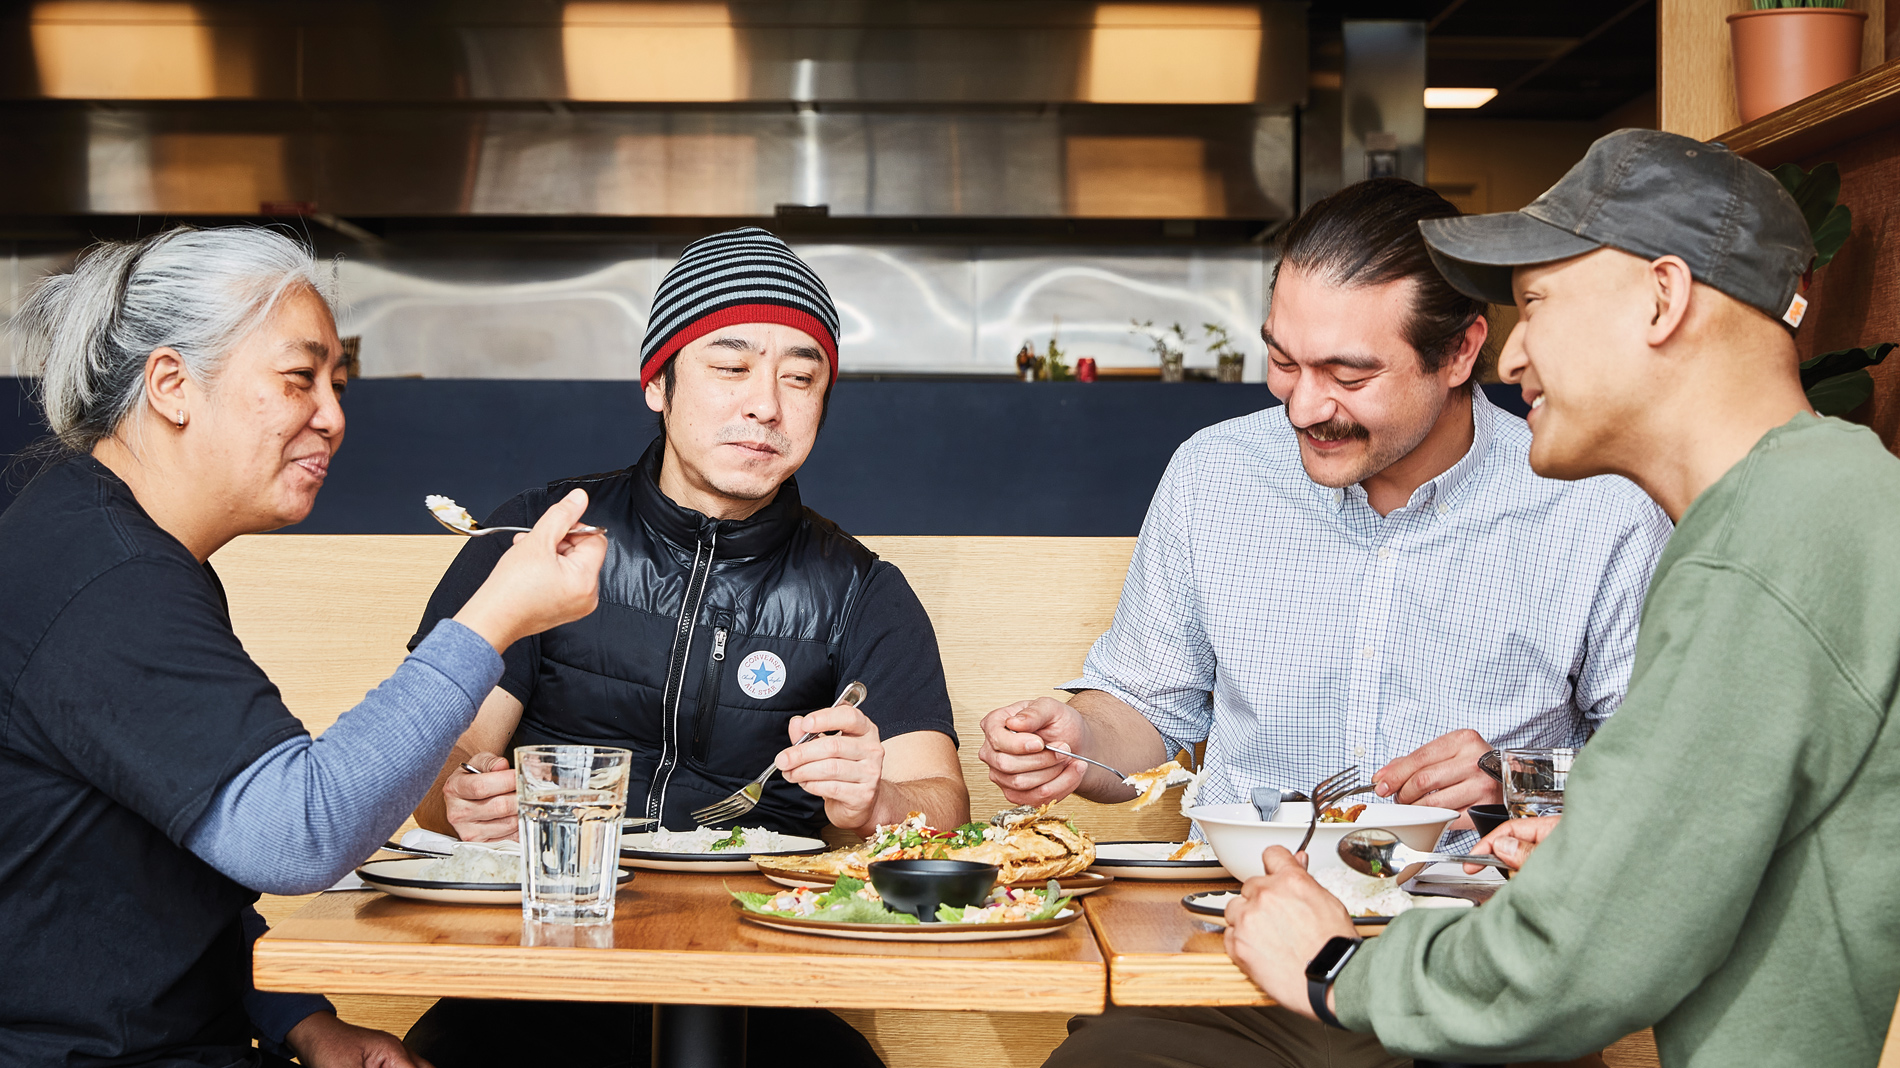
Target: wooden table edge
[[1159, 978], [1179, 979], [439, 969]]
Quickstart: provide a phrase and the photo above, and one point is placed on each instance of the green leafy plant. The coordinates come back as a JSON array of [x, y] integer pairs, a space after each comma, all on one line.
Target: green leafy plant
[[1837, 382], [1054, 367], [1169, 344], [1764, 5], [1817, 193], [1229, 360]]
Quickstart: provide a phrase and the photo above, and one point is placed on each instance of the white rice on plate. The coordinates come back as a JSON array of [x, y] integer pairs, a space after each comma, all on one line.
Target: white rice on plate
[[474, 864], [1364, 895], [752, 840]]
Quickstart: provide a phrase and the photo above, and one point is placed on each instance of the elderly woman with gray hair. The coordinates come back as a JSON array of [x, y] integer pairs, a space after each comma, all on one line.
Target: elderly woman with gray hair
[[154, 782]]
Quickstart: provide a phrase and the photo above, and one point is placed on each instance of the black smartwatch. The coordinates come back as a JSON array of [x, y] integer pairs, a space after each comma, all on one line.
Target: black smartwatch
[[1325, 967]]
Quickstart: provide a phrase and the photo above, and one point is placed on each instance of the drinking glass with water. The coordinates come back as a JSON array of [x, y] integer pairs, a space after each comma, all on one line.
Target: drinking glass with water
[[1534, 781], [571, 798]]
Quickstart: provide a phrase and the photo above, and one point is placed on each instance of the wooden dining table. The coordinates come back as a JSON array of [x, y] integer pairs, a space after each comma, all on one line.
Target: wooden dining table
[[675, 941], [1159, 953]]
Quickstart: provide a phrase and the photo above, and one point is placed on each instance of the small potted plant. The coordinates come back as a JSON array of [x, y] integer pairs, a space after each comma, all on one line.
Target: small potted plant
[[1789, 50], [1229, 363], [1054, 367], [1169, 345]]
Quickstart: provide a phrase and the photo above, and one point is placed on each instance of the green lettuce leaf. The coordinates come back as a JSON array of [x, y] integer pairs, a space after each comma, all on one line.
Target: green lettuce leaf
[[858, 910], [749, 900], [950, 913]]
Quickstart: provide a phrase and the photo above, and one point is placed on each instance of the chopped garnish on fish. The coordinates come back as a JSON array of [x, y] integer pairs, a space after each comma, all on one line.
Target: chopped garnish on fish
[[1029, 844]]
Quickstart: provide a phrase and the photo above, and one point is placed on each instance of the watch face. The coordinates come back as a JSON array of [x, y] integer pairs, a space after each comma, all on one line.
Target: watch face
[[1326, 963]]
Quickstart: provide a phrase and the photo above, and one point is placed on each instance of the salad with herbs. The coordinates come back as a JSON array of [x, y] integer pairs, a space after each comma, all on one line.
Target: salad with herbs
[[854, 901], [915, 834]]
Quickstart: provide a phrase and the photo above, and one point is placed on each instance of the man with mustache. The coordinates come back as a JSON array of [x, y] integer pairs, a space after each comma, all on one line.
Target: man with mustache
[[1722, 868], [1368, 576], [731, 617]]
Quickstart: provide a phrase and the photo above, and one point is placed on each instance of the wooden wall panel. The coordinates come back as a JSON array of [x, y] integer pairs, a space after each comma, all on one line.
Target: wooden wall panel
[[1856, 298]]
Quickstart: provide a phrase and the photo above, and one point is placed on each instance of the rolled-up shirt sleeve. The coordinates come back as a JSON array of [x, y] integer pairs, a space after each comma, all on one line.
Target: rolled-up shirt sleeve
[[1156, 655]]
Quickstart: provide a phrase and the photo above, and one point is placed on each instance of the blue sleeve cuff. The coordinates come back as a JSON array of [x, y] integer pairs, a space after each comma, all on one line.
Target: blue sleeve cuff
[[464, 656]]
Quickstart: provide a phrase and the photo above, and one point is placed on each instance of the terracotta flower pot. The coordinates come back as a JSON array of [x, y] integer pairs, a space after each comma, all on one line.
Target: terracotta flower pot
[[1787, 54]]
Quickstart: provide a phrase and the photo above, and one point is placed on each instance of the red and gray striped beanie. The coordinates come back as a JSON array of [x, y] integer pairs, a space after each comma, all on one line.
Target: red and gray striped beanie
[[741, 276]]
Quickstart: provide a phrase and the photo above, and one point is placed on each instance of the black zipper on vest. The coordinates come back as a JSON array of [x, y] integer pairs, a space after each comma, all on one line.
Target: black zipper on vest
[[709, 690], [676, 677]]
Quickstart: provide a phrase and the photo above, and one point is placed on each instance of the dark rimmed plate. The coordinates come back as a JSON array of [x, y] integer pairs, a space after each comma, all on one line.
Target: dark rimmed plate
[[400, 878], [1211, 907], [723, 863], [912, 932], [1148, 861]]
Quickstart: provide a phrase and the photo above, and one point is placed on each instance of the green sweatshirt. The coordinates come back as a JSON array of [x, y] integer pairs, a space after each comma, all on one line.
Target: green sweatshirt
[[1728, 865]]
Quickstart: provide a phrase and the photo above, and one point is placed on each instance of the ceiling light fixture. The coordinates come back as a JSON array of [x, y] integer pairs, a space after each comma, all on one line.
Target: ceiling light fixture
[[1458, 98]]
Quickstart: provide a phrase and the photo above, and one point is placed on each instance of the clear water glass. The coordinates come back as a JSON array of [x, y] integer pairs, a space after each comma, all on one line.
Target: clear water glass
[[571, 799], [1534, 780]]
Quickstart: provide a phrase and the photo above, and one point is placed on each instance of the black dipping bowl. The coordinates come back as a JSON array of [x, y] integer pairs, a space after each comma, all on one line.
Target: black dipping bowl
[[1488, 818], [919, 886]]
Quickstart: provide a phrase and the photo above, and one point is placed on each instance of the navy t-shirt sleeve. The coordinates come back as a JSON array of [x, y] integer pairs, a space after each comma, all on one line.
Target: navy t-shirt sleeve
[[140, 688], [467, 573], [890, 646]]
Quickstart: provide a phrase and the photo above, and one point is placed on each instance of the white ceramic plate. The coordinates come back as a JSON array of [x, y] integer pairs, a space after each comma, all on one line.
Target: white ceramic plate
[[633, 850], [1211, 907], [1149, 861], [402, 878], [1072, 885], [912, 932]]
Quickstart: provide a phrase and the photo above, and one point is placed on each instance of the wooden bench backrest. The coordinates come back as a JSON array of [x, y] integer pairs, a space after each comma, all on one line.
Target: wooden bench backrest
[[328, 617]]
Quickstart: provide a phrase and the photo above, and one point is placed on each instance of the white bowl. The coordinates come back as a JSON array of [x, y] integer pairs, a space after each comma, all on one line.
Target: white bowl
[[1238, 836]]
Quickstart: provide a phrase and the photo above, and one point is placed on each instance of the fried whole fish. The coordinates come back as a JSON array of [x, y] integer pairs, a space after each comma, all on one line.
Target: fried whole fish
[[1024, 844]]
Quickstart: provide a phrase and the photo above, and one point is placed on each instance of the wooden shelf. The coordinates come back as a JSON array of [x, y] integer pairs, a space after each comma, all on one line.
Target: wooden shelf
[[1863, 103]]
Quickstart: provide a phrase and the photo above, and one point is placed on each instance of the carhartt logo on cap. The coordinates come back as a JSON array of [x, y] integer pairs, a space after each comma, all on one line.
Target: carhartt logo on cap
[[1797, 308]]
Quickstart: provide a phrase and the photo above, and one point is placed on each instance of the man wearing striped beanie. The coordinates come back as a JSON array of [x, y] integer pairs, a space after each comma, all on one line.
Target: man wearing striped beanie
[[731, 618]]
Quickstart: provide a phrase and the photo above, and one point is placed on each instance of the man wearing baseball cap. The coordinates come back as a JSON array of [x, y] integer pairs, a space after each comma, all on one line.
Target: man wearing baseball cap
[[1725, 864], [731, 616]]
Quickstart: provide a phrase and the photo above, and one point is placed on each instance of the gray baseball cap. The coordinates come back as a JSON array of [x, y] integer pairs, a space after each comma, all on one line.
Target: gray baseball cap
[[1651, 194]]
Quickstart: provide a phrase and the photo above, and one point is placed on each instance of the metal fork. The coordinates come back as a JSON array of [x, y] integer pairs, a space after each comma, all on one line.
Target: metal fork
[[742, 801], [1330, 790]]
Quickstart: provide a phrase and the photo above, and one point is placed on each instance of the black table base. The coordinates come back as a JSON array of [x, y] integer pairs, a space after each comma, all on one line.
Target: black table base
[[699, 1036]]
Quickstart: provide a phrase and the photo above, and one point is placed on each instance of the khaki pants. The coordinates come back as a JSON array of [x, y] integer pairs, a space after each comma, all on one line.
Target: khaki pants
[[1197, 1037], [1241, 1037]]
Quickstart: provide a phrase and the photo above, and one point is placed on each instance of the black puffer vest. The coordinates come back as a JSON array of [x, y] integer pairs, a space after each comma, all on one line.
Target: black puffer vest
[[711, 634]]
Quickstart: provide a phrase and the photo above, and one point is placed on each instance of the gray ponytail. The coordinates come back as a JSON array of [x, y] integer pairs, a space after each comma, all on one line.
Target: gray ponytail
[[89, 330]]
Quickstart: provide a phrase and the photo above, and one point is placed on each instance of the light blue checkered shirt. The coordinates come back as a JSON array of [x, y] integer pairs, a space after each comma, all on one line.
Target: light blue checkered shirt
[[1298, 632]]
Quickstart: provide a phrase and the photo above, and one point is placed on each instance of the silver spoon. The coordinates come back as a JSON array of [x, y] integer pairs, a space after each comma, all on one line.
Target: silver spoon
[[1378, 852], [1268, 799], [456, 518], [1065, 752]]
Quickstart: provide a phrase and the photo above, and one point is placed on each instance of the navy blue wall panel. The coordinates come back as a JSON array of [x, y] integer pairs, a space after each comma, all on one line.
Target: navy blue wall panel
[[906, 457]]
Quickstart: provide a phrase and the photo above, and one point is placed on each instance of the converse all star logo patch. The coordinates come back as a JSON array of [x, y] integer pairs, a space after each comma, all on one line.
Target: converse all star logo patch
[[761, 674]]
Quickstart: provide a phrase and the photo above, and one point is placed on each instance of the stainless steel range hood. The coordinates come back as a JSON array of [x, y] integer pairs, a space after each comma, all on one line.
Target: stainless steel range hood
[[974, 108]]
